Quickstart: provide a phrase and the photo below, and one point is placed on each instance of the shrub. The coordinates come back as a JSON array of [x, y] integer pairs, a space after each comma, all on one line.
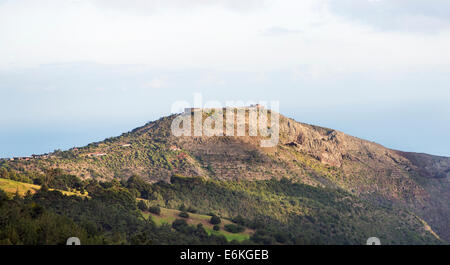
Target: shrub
[[179, 224], [184, 215], [44, 187], [192, 210], [215, 220], [239, 220], [281, 238], [232, 228], [216, 227], [142, 206], [155, 210]]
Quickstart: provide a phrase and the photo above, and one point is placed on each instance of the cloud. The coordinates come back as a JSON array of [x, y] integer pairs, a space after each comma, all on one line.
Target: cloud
[[147, 7], [396, 15], [277, 31]]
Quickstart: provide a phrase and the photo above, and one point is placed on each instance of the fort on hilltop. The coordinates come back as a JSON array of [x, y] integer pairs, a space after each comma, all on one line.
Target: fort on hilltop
[[253, 106]]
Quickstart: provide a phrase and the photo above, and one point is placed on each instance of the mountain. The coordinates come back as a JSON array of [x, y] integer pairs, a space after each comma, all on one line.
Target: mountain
[[389, 180]]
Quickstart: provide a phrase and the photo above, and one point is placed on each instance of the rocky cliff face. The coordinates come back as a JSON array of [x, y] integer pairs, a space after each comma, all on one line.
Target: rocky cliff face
[[428, 165], [418, 181]]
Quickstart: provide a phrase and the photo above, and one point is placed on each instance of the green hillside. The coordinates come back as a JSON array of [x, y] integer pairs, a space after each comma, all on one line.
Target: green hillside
[[167, 216], [317, 186]]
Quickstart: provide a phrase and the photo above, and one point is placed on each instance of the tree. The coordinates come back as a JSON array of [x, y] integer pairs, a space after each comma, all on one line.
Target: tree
[[200, 231], [281, 238], [44, 187], [4, 173], [239, 220], [155, 196], [179, 224], [215, 220], [3, 196], [28, 195], [16, 195], [184, 215], [142, 206], [192, 210], [142, 188], [232, 228], [155, 210]]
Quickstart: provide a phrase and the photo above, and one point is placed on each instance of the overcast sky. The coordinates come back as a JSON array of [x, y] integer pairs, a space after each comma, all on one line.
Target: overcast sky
[[72, 72]]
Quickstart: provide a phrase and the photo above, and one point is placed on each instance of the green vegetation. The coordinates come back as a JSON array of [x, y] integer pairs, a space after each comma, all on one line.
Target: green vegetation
[[133, 211], [142, 205], [232, 228], [49, 217], [168, 216], [298, 213], [12, 187], [183, 215], [215, 220], [155, 210]]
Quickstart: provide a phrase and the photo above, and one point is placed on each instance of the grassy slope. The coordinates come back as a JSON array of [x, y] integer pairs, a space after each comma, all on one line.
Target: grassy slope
[[166, 216], [169, 215], [309, 212], [11, 187]]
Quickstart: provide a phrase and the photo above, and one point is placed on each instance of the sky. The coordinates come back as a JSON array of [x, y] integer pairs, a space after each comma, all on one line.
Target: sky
[[77, 71]]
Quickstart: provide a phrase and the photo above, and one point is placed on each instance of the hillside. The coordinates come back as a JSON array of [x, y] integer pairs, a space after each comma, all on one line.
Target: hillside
[[168, 216], [12, 188], [306, 154]]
